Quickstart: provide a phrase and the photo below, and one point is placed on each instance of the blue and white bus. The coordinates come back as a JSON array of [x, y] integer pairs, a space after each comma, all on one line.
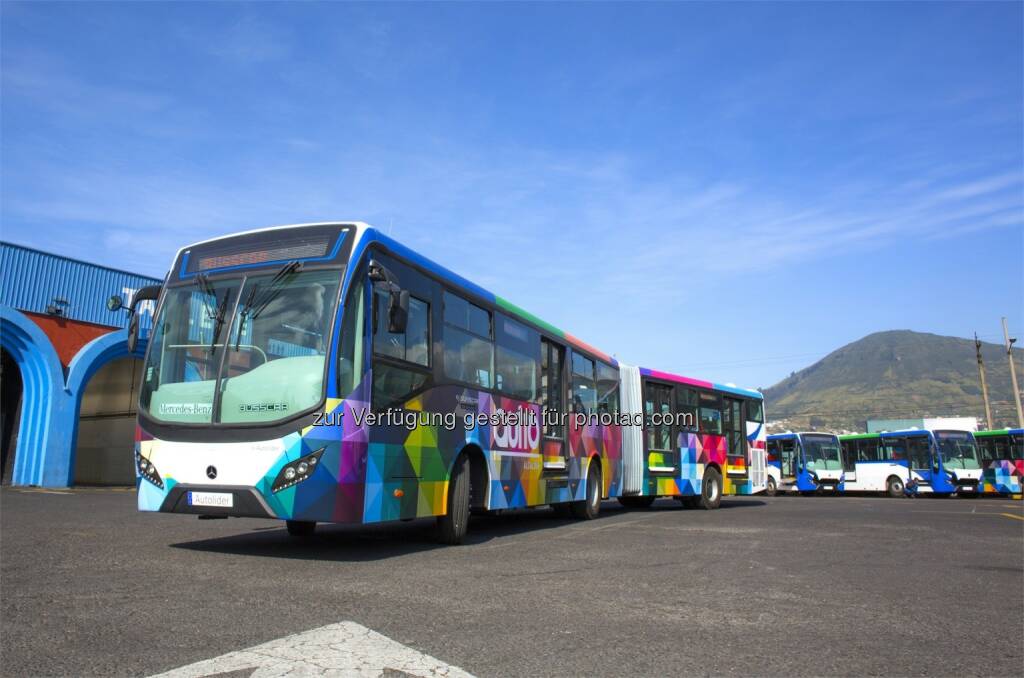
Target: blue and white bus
[[942, 462], [805, 463]]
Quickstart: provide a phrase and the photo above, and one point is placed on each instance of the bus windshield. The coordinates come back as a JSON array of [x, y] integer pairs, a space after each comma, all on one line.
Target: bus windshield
[[958, 449], [259, 341], [822, 452]]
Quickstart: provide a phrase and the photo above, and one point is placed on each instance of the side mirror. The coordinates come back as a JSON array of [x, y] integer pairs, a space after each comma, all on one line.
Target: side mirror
[[114, 303], [133, 333], [398, 310], [147, 293]]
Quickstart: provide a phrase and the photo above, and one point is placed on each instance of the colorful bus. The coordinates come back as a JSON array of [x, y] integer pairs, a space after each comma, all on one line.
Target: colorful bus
[[695, 441], [1002, 460], [805, 463], [942, 462], [327, 373]]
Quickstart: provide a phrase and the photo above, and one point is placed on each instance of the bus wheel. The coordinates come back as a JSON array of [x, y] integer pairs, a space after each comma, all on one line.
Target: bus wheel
[[301, 528], [451, 527], [711, 490], [771, 487], [894, 487], [637, 502], [591, 506]]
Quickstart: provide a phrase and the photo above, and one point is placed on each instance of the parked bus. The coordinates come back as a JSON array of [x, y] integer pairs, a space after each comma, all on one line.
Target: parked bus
[[696, 440], [942, 462], [1002, 459], [328, 373], [805, 463]]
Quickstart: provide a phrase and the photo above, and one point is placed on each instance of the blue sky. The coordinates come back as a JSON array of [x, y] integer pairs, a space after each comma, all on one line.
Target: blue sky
[[729, 191]]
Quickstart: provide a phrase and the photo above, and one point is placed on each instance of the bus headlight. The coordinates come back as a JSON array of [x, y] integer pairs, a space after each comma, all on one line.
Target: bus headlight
[[295, 472], [148, 471]]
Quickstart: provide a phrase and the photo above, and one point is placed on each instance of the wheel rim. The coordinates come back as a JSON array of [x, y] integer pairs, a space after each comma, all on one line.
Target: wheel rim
[[594, 491], [712, 490]]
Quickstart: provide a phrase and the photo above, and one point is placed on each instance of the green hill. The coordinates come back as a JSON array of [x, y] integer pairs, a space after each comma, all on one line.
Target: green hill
[[892, 375]]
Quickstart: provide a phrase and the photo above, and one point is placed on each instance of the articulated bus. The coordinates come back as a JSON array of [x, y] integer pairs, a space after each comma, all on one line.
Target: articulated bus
[[327, 373], [942, 462], [1002, 459], [697, 442], [805, 463]]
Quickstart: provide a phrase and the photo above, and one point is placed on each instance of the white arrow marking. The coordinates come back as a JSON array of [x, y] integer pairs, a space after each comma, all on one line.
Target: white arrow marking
[[343, 649]]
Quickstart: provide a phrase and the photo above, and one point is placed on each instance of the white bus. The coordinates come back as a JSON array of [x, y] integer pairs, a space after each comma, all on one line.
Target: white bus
[[942, 462]]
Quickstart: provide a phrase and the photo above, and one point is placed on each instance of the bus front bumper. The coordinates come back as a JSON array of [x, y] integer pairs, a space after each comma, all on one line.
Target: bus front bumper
[[216, 500]]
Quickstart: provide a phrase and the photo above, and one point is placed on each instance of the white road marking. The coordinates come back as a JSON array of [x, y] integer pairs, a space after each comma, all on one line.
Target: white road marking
[[343, 649]]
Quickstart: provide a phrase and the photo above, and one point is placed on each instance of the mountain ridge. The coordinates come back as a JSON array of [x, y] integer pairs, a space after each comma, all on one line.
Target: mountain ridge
[[894, 374]]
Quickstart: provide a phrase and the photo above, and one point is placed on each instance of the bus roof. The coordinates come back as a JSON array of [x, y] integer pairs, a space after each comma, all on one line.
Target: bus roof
[[859, 436], [999, 432], [794, 434], [919, 431], [668, 376]]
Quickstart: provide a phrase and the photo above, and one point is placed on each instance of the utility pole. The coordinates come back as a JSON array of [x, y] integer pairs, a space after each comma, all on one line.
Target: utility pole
[[984, 386], [1013, 373]]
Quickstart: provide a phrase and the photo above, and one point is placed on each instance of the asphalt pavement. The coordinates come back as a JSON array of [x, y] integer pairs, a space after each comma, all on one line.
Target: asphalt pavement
[[763, 586]]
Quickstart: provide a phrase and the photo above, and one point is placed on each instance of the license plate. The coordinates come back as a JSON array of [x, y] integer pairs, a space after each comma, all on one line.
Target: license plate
[[219, 499]]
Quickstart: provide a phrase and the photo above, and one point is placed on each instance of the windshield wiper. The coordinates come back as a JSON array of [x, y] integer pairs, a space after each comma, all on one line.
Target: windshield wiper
[[255, 305], [215, 311]]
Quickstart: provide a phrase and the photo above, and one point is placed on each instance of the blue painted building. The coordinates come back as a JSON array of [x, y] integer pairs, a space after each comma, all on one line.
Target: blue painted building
[[68, 382]]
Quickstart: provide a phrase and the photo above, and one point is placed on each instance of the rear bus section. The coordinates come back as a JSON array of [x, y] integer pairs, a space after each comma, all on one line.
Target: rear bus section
[[689, 439]]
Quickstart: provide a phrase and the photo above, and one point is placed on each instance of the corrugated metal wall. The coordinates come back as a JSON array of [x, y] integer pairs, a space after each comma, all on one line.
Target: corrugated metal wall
[[30, 279]]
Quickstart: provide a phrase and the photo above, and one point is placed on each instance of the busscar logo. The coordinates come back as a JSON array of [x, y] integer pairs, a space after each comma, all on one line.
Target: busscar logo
[[211, 472], [263, 407]]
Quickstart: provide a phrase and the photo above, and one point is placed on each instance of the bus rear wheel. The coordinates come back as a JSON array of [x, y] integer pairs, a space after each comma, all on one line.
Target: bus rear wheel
[[591, 506], [452, 526], [710, 490], [771, 487], [300, 528], [894, 487], [637, 502]]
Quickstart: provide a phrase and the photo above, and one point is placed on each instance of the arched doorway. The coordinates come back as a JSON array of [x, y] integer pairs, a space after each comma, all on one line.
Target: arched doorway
[[106, 424], [11, 391]]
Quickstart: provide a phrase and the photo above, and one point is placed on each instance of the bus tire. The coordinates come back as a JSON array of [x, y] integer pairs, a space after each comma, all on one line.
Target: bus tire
[[640, 502], [591, 506], [300, 528], [894, 487], [452, 526], [710, 490], [771, 488]]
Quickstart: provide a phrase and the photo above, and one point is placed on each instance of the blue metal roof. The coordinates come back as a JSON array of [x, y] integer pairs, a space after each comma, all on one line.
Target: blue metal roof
[[31, 280]]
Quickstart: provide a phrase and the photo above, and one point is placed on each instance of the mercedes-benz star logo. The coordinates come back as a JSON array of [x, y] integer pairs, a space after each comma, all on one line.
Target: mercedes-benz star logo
[[211, 472]]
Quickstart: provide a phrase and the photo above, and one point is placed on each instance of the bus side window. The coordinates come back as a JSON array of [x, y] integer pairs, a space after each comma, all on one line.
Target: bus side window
[[515, 358], [468, 345], [686, 406], [607, 388], [400, 360], [584, 386], [772, 450], [893, 449]]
